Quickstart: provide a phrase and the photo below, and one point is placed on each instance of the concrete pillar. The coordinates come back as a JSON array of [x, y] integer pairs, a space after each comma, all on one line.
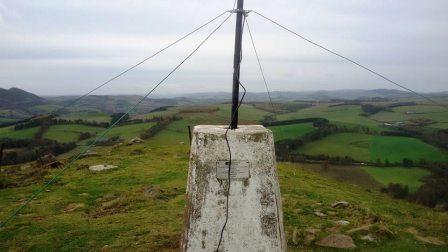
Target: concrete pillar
[[255, 208]]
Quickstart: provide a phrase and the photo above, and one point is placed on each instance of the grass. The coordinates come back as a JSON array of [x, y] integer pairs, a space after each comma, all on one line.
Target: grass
[[363, 147], [69, 133], [344, 144], [136, 221], [405, 113], [9, 132], [349, 174], [291, 131], [348, 115], [396, 148], [128, 132], [405, 176]]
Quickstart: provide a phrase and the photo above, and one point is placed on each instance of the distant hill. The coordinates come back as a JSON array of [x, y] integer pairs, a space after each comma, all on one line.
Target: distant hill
[[112, 103], [322, 95], [18, 99]]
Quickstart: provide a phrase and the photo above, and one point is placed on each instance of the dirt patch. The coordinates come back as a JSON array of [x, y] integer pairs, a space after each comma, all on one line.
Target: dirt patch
[[110, 205], [337, 241]]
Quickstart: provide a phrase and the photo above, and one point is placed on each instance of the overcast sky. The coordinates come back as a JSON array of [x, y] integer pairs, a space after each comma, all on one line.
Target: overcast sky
[[53, 47]]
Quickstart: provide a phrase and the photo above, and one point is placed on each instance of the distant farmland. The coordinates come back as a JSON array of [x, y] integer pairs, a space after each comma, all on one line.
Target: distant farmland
[[364, 147], [291, 131]]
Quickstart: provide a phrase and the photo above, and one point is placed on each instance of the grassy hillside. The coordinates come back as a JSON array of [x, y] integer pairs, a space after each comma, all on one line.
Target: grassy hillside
[[139, 206], [363, 147]]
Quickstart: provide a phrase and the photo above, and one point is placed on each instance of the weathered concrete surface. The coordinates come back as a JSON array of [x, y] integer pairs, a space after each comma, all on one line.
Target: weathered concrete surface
[[255, 210]]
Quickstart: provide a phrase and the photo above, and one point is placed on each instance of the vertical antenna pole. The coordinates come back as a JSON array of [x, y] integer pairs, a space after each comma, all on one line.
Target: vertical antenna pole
[[236, 64]]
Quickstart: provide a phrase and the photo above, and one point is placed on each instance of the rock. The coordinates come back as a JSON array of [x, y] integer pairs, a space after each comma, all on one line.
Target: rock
[[365, 228], [84, 194], [90, 154], [337, 241], [137, 152], [342, 223], [319, 214], [135, 140], [340, 204], [368, 238], [103, 167], [73, 206]]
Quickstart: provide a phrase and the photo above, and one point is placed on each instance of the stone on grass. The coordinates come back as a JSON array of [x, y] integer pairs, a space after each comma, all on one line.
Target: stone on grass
[[73, 206], [340, 204], [337, 241], [342, 222], [368, 238], [103, 167], [362, 229], [135, 140], [319, 214]]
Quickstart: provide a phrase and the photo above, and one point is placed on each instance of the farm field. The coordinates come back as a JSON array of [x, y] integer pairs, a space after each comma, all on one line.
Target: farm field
[[9, 132], [410, 177], [69, 133], [362, 147], [128, 132], [291, 131], [348, 115], [88, 116], [405, 113]]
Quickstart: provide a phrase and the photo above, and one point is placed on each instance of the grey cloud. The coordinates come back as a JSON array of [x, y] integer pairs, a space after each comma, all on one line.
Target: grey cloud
[[66, 47]]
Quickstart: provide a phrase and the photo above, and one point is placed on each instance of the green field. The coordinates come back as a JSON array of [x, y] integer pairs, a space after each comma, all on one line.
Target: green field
[[405, 176], [69, 133], [114, 213], [9, 132], [348, 115], [291, 131], [435, 113], [363, 147], [128, 132], [88, 116]]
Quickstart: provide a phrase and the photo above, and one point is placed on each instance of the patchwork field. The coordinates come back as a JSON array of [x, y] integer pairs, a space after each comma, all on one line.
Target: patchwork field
[[348, 115], [410, 177], [363, 147], [434, 113], [291, 131], [69, 133], [9, 132], [88, 116]]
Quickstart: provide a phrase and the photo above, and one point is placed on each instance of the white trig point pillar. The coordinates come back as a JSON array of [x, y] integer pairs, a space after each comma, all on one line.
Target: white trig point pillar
[[255, 220]]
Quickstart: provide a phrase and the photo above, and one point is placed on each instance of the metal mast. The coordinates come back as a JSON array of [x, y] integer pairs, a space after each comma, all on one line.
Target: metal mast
[[236, 64]]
